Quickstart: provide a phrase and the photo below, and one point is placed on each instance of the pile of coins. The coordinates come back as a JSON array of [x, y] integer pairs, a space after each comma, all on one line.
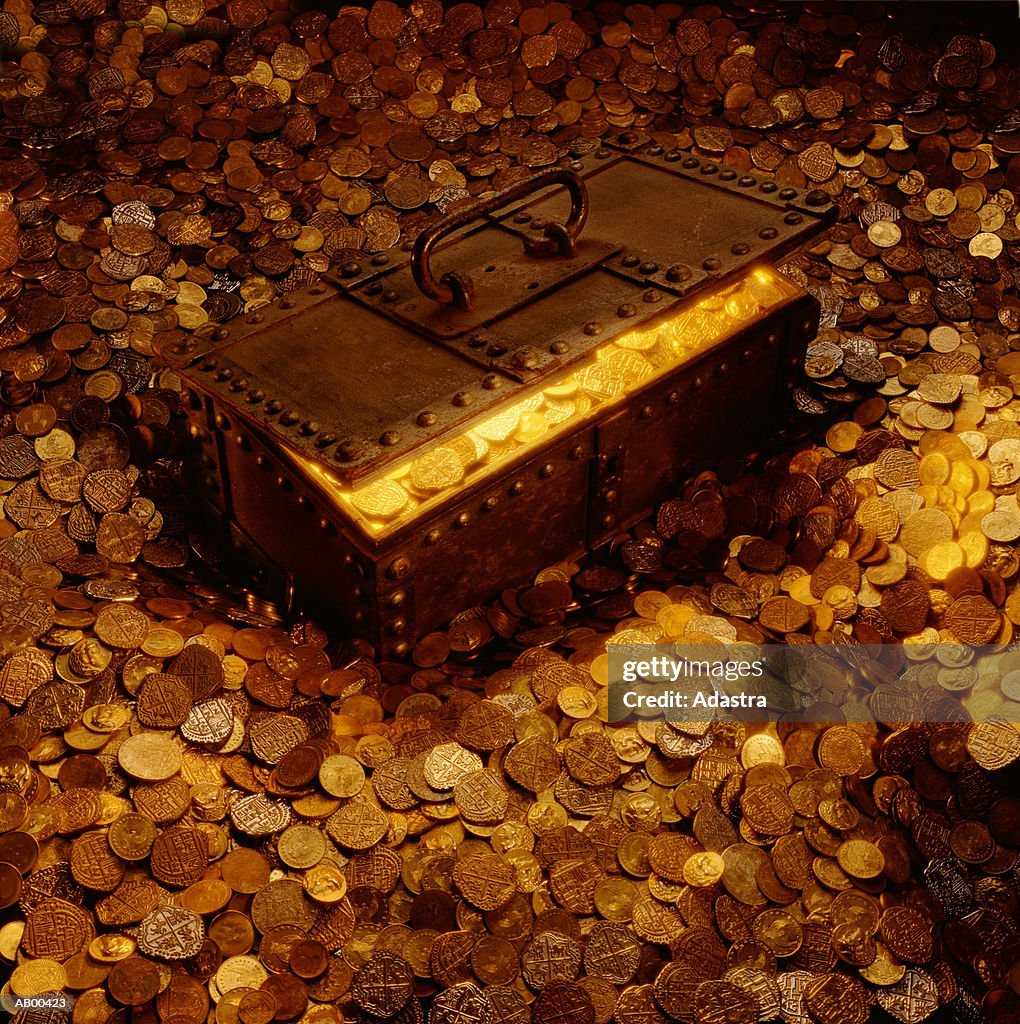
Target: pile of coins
[[207, 815], [247, 825]]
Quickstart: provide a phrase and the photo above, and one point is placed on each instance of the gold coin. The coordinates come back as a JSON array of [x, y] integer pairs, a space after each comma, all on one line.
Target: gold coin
[[939, 560], [36, 977], [162, 642], [382, 499], [436, 470], [577, 702], [987, 244], [885, 234], [301, 846], [704, 869], [325, 882], [342, 776], [150, 756], [860, 858]]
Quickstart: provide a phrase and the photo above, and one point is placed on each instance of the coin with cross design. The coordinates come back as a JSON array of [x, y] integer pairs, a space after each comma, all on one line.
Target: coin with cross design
[[383, 985], [912, 999], [358, 825], [171, 933], [486, 880], [548, 957], [462, 1004]]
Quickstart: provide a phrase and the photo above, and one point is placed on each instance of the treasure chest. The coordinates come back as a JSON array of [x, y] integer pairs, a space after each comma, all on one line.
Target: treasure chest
[[396, 443]]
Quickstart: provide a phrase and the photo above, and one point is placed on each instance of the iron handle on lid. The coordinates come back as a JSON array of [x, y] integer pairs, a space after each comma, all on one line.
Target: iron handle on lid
[[457, 289]]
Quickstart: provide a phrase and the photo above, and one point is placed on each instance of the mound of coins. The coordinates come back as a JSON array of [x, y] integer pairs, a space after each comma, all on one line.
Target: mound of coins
[[211, 816], [207, 819]]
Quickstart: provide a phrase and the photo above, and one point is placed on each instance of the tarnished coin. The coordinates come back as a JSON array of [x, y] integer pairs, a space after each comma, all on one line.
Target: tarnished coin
[[171, 933], [383, 985]]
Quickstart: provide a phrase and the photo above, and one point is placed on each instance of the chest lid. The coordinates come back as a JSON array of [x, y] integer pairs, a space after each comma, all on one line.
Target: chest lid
[[414, 347]]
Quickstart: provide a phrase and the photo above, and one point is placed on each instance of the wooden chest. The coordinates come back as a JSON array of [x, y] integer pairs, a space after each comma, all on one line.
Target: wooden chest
[[396, 445]]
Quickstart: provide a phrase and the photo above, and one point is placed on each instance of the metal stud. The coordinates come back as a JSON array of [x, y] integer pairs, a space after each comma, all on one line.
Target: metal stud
[[398, 568], [525, 358], [348, 451]]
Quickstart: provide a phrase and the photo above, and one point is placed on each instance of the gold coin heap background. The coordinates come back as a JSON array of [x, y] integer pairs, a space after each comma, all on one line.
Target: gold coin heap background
[[207, 815]]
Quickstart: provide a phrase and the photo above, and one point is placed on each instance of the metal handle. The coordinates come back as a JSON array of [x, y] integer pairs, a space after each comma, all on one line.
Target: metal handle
[[456, 289]]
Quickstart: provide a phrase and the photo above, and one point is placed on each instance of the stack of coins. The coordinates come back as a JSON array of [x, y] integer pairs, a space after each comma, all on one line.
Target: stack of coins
[[207, 814]]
